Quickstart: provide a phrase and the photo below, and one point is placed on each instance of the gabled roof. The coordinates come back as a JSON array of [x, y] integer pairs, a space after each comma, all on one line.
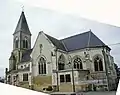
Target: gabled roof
[[26, 56], [22, 25], [56, 42], [79, 41]]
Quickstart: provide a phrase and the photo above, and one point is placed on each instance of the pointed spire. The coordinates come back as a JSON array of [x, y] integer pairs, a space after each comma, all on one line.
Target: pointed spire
[[22, 25]]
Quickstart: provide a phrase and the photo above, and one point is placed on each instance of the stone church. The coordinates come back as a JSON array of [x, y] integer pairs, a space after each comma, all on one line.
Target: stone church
[[80, 62]]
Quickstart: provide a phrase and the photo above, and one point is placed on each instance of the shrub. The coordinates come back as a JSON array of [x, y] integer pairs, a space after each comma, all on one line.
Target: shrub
[[49, 88]]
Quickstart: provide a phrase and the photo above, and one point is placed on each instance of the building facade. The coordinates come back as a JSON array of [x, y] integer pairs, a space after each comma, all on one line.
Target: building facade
[[77, 63]]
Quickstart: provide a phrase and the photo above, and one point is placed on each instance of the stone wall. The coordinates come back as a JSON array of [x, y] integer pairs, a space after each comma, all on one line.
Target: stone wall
[[24, 84], [68, 87], [41, 82], [65, 87]]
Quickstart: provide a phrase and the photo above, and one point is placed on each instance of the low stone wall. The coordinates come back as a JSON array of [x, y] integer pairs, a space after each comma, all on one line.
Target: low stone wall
[[68, 87], [81, 87], [24, 85], [65, 87], [40, 82]]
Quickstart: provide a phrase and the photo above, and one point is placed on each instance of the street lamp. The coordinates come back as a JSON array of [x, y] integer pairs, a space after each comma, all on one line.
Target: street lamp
[[70, 64]]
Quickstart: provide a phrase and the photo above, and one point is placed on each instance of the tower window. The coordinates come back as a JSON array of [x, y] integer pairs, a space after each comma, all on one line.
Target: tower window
[[25, 43], [16, 42]]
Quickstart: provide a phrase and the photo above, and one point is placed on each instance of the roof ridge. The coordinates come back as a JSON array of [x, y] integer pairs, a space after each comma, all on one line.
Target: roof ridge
[[76, 35], [58, 43], [52, 36], [64, 45], [69, 36]]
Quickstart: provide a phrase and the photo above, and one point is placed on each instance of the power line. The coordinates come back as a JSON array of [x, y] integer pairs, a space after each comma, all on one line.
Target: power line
[[114, 44]]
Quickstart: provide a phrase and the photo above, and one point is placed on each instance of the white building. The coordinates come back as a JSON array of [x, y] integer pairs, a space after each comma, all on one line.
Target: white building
[[73, 63]]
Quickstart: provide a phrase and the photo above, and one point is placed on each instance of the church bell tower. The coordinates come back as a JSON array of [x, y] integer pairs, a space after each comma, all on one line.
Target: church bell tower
[[21, 40], [22, 35]]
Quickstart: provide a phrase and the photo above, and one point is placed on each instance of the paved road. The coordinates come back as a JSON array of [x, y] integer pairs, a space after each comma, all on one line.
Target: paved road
[[101, 93], [88, 93]]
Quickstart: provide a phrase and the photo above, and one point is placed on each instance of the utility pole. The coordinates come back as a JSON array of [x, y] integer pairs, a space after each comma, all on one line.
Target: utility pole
[[73, 81], [57, 70], [106, 69]]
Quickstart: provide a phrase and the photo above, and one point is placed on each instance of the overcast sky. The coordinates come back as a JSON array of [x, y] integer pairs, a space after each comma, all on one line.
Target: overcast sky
[[60, 19]]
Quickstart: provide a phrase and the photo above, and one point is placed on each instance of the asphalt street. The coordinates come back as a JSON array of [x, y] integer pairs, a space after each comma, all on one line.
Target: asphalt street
[[86, 93], [100, 93]]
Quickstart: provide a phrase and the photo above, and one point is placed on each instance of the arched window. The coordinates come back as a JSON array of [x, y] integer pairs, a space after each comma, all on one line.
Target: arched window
[[61, 62], [98, 64], [16, 43], [25, 43], [42, 66], [77, 63]]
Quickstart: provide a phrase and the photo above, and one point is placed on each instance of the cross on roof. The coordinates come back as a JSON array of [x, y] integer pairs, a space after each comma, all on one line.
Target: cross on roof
[[23, 8]]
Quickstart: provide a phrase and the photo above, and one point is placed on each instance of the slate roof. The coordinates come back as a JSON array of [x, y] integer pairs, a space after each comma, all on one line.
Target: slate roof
[[83, 40], [56, 42], [26, 56], [79, 41], [22, 25]]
